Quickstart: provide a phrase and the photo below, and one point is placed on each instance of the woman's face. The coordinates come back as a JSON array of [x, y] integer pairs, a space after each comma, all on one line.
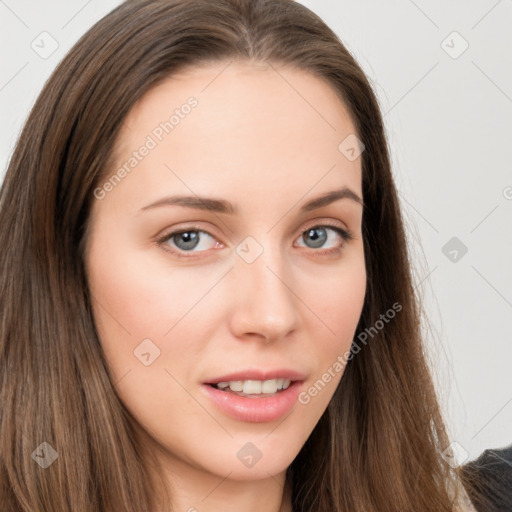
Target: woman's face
[[259, 291]]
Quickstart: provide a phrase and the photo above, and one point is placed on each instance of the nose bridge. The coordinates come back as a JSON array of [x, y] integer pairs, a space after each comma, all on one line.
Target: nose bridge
[[265, 303]]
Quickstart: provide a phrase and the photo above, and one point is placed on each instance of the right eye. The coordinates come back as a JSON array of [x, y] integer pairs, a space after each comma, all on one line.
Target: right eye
[[187, 240]]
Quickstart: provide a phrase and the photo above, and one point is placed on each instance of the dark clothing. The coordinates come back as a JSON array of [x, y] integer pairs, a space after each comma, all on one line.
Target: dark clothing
[[488, 480]]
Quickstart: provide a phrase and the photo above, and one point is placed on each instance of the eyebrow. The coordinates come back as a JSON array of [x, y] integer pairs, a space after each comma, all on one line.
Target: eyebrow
[[223, 206]]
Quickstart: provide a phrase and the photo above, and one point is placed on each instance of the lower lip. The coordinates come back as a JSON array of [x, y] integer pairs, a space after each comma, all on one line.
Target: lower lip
[[253, 409]]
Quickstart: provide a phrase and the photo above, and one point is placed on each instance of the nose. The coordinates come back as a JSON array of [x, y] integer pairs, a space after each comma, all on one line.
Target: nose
[[265, 304]]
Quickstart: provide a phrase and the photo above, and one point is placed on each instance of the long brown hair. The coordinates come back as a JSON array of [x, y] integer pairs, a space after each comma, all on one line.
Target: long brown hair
[[378, 445]]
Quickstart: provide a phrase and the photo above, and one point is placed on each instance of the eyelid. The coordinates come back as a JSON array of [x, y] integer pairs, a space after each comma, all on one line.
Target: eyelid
[[331, 223], [193, 226], [168, 234]]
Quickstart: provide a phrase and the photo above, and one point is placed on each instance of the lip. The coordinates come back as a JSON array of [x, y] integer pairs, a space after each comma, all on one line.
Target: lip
[[254, 409], [256, 374]]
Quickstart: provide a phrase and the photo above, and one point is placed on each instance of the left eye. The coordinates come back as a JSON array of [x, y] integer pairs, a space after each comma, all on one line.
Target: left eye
[[180, 242], [319, 235]]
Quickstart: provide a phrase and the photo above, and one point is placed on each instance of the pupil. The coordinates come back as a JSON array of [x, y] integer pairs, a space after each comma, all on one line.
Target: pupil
[[318, 241], [190, 239]]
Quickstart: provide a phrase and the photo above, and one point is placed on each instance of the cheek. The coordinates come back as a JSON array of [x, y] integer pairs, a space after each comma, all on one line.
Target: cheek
[[340, 302], [134, 299], [151, 323]]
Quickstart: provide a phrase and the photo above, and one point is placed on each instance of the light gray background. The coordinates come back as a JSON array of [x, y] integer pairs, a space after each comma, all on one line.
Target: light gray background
[[448, 117]]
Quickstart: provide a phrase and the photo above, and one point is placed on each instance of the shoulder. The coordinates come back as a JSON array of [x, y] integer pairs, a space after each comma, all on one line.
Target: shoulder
[[490, 477]]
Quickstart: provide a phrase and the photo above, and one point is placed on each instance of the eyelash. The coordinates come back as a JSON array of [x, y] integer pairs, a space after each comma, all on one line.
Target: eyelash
[[344, 234]]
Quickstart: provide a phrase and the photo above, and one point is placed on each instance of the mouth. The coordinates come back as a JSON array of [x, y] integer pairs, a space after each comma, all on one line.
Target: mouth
[[255, 396], [254, 388]]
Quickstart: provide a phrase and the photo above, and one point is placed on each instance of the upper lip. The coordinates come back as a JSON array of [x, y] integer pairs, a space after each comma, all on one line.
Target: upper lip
[[262, 375]]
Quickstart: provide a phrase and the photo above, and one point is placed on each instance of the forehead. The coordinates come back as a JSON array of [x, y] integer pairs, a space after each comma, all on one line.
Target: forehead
[[265, 91], [251, 125]]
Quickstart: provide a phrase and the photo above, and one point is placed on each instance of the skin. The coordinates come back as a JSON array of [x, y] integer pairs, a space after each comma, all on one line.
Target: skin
[[268, 148]]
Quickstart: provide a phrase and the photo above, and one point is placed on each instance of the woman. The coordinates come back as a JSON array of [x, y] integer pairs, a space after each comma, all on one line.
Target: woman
[[207, 299]]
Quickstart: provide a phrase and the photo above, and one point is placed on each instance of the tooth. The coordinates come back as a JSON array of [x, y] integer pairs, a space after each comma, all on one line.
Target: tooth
[[255, 387], [269, 386], [252, 387], [236, 385]]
